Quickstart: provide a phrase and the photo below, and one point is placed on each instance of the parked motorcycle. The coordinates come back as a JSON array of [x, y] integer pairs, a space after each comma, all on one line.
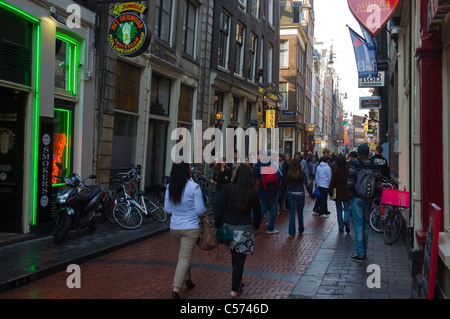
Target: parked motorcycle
[[77, 205]]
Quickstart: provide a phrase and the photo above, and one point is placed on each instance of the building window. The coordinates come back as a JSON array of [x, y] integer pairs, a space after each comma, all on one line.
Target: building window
[[128, 79], [284, 54], [255, 8], [248, 112], [242, 4], [163, 20], [300, 58], [240, 39], [270, 13], [160, 95], [62, 139], [224, 39], [124, 140], [15, 48], [126, 115], [189, 26], [252, 57], [234, 114], [66, 63], [185, 106], [283, 88], [261, 61], [269, 63]]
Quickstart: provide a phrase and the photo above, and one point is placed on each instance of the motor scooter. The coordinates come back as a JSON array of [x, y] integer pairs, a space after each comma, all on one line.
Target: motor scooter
[[77, 205]]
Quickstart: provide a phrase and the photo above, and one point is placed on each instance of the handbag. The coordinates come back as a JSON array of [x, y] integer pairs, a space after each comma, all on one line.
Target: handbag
[[333, 194], [317, 192], [224, 234], [207, 239]]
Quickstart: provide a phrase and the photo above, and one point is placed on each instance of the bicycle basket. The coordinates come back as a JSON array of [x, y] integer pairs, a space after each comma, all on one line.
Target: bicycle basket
[[395, 198]]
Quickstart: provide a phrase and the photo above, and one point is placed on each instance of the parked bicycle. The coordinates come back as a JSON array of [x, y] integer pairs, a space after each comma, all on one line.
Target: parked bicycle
[[393, 225], [378, 213], [112, 196], [201, 180], [132, 204], [393, 222]]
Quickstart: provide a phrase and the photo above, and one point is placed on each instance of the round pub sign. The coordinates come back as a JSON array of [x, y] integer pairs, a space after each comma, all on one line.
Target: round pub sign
[[129, 35]]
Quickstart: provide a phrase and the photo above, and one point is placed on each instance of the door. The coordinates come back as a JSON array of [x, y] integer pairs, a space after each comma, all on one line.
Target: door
[[12, 117]]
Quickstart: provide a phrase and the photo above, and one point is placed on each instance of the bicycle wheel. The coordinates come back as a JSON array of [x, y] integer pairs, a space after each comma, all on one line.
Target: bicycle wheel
[[155, 209], [392, 227], [108, 207], [376, 219], [127, 216]]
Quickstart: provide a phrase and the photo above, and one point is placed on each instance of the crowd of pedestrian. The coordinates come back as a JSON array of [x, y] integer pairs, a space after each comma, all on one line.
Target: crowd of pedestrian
[[246, 194]]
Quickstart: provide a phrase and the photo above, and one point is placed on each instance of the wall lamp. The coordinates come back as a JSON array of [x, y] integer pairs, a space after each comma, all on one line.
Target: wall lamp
[[216, 118], [56, 16]]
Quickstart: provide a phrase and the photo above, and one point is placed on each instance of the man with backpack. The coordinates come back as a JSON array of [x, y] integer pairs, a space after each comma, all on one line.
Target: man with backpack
[[268, 177], [364, 188]]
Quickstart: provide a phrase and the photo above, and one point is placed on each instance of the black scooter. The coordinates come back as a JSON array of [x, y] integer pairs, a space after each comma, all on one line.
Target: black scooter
[[77, 205]]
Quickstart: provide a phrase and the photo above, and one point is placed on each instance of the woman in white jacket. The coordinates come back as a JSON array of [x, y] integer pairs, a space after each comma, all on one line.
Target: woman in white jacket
[[184, 201], [323, 178]]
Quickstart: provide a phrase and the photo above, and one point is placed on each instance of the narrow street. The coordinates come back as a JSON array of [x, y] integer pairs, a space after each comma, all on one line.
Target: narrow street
[[315, 265]]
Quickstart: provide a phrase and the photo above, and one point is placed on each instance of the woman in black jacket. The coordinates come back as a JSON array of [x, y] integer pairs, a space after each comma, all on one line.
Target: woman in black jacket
[[236, 204], [295, 182]]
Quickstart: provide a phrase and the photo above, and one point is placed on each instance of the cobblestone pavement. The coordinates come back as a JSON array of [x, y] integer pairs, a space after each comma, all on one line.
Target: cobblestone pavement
[[314, 265]]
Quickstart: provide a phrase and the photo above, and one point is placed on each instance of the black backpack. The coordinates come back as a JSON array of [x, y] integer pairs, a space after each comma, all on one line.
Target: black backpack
[[365, 181]]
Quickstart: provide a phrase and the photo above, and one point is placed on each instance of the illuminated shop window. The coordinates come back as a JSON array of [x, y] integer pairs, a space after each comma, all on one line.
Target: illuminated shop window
[[66, 63], [62, 142]]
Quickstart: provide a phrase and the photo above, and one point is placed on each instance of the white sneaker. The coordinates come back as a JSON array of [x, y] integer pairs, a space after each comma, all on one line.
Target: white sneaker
[[275, 231]]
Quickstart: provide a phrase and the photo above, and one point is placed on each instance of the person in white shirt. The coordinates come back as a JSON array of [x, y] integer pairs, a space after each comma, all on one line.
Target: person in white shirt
[[323, 178], [184, 201]]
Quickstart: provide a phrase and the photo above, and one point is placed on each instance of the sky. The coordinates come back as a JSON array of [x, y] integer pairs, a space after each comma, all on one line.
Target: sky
[[331, 18]]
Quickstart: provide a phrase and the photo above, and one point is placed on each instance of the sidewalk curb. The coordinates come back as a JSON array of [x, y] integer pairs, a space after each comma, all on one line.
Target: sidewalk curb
[[309, 283]]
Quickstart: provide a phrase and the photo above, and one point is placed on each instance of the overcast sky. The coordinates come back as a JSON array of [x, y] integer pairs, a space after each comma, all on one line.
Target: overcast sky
[[331, 18]]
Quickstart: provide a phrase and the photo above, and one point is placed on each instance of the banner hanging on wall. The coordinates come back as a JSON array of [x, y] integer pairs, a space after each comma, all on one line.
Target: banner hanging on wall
[[372, 14]]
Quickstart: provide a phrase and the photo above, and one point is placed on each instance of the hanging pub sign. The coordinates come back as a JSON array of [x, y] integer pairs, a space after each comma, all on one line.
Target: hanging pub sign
[[371, 82], [129, 35], [369, 102], [270, 119], [373, 15], [129, 6]]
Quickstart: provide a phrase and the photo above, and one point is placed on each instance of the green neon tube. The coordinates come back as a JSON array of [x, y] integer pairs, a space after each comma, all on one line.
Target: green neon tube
[[73, 56], [36, 101]]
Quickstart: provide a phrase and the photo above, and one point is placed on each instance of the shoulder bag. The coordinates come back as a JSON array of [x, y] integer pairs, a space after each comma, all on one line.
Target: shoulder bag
[[224, 234], [207, 239]]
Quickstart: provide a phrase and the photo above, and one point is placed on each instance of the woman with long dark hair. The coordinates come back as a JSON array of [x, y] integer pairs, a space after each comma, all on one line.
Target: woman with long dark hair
[[184, 201], [236, 204], [295, 182]]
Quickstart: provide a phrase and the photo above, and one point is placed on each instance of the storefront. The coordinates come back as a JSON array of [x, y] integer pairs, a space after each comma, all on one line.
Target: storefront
[[45, 107]]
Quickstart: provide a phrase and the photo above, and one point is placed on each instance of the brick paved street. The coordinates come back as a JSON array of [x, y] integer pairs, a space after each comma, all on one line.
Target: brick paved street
[[314, 265]]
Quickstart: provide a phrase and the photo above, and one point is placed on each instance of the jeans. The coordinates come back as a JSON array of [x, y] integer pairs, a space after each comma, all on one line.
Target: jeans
[[323, 200], [268, 203], [346, 218], [292, 199], [361, 214]]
